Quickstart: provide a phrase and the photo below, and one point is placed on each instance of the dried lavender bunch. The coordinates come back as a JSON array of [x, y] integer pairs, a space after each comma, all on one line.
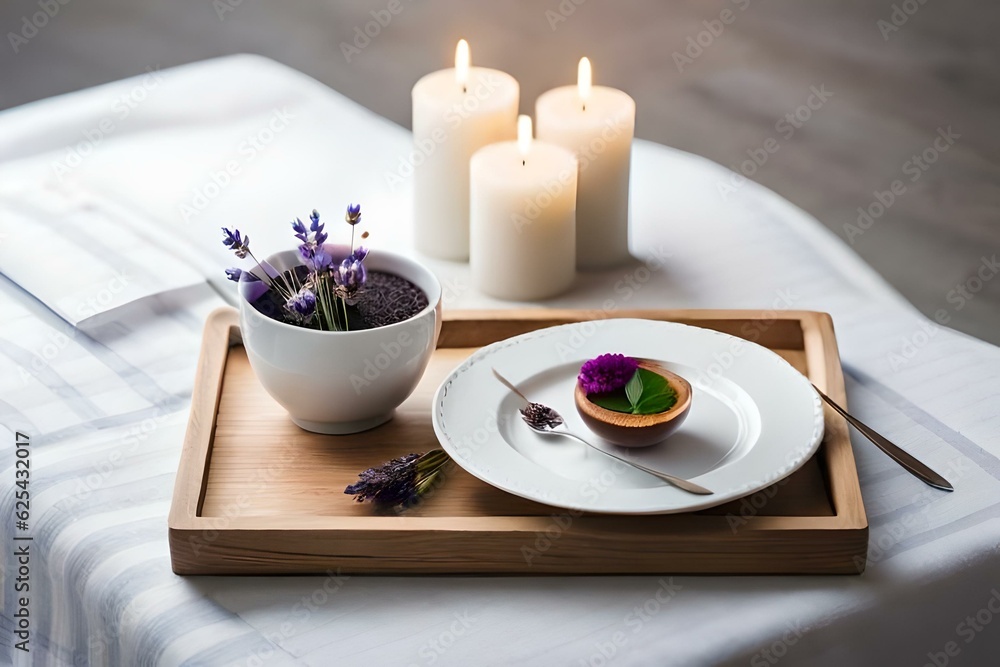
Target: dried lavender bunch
[[399, 482]]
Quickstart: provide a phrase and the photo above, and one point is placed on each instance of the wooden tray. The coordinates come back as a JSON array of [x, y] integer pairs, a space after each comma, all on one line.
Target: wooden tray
[[257, 495]]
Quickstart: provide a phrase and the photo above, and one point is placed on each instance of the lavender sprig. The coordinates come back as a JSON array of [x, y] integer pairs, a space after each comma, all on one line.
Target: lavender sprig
[[349, 276], [400, 482], [353, 216], [315, 257], [320, 299], [302, 305], [240, 245], [236, 242]]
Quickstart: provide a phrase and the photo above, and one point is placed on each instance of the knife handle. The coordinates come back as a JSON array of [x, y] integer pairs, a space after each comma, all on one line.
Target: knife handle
[[897, 454]]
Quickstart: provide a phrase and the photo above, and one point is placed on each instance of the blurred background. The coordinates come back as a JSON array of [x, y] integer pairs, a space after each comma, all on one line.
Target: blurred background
[[854, 92]]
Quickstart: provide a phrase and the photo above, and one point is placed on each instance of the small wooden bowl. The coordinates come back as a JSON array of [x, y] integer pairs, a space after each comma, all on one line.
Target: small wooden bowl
[[629, 430]]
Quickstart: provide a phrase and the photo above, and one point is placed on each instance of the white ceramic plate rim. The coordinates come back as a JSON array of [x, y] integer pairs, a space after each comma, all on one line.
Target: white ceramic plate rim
[[791, 414]]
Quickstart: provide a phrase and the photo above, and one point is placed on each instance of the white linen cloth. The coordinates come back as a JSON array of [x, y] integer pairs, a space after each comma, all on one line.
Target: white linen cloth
[[106, 410], [76, 258]]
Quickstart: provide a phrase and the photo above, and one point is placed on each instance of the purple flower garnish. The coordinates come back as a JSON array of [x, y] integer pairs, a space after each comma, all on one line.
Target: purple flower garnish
[[349, 276], [302, 305], [607, 372], [314, 218], [353, 216], [360, 253], [235, 242]]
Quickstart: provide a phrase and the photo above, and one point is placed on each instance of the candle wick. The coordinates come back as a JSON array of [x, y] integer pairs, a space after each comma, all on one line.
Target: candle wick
[[523, 162], [584, 106], [464, 89]]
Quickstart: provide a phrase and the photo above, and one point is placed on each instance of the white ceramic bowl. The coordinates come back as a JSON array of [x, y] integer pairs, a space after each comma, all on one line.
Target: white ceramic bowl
[[339, 382]]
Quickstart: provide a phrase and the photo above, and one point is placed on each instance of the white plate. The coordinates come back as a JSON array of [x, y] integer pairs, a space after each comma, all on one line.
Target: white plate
[[754, 419]]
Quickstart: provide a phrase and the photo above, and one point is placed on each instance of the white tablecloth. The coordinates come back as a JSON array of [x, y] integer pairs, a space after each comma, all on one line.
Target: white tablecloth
[[243, 141]]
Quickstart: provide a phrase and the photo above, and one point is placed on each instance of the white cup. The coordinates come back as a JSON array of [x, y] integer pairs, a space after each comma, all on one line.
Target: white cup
[[339, 382]]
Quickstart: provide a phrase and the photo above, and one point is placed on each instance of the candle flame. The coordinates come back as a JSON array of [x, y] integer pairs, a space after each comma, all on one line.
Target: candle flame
[[462, 60], [584, 78], [524, 134]]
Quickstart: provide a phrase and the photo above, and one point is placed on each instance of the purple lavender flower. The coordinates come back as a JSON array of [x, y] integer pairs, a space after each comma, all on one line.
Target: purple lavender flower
[[315, 257], [353, 216], [321, 260], [302, 305], [306, 252], [607, 372], [389, 484], [360, 253], [235, 242], [399, 482], [312, 239], [237, 275], [301, 233], [231, 238], [349, 276]]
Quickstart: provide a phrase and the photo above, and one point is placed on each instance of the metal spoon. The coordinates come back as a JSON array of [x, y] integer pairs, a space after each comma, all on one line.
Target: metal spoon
[[543, 419]]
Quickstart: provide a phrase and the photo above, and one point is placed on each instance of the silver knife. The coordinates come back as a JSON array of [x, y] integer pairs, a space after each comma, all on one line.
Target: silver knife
[[909, 463]]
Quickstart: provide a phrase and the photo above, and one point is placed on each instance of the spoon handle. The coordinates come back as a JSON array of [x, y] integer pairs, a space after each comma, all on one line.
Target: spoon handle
[[679, 482], [510, 385]]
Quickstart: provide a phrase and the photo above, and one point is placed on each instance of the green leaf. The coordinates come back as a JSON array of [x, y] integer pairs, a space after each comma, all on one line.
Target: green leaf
[[633, 390], [657, 394], [612, 400], [654, 395], [652, 405], [653, 383]]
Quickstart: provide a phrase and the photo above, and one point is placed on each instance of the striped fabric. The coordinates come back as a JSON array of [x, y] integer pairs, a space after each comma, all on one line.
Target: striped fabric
[[105, 407]]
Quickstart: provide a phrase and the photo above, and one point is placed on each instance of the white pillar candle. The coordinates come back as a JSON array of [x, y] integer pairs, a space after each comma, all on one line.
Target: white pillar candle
[[596, 123], [455, 113], [523, 224]]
